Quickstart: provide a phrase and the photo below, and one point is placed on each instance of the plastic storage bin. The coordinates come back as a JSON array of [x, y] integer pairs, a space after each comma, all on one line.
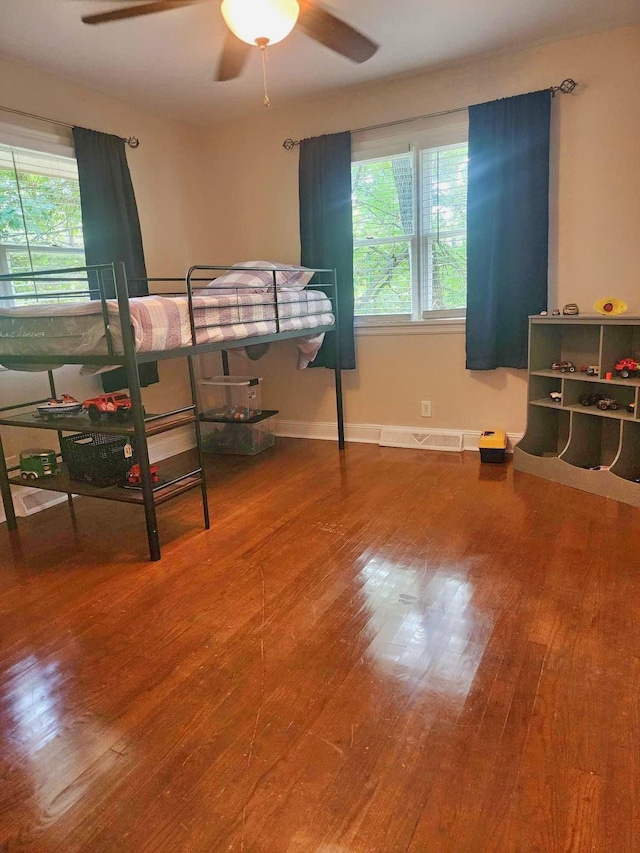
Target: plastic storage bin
[[238, 438], [230, 398]]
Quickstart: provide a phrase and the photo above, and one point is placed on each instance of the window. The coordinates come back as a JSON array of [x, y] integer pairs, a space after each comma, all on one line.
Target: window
[[40, 219], [409, 221]]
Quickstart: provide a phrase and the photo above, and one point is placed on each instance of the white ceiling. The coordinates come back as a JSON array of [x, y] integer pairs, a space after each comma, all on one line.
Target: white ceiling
[[167, 61]]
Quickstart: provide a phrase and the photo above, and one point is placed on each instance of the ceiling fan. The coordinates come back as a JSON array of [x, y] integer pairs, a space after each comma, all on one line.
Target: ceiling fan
[[261, 23]]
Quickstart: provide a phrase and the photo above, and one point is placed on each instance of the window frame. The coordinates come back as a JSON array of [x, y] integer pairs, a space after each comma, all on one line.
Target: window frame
[[436, 132]]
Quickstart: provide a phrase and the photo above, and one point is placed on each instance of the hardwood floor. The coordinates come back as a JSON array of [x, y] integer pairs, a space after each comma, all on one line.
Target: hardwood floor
[[399, 651]]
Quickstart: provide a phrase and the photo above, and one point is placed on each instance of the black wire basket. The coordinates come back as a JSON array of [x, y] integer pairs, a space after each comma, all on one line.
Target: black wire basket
[[103, 460]]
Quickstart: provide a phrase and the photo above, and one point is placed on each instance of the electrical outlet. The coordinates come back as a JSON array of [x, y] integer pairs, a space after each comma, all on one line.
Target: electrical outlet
[[426, 408]]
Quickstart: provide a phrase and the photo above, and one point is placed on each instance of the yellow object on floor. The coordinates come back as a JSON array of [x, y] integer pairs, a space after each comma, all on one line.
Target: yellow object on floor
[[493, 445]]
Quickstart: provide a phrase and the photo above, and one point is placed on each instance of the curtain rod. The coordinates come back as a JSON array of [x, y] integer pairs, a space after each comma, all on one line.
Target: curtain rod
[[565, 88], [132, 141]]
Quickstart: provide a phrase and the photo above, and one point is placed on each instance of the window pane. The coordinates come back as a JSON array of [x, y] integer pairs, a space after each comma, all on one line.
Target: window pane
[[444, 189], [40, 217], [448, 267], [20, 261], [444, 227], [50, 198], [382, 278], [382, 198], [11, 221]]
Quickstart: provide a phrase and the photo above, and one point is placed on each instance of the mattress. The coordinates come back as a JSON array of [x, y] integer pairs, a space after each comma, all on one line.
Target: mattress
[[160, 323]]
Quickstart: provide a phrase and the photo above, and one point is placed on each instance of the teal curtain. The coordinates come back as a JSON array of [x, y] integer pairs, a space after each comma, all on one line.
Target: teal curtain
[[507, 227], [110, 223], [326, 230]]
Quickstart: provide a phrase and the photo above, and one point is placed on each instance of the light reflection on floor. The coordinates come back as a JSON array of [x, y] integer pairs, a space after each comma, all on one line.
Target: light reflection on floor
[[423, 625], [52, 752]]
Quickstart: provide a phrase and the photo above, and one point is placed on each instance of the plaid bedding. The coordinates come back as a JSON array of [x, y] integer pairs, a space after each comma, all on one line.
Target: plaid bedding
[[162, 323]]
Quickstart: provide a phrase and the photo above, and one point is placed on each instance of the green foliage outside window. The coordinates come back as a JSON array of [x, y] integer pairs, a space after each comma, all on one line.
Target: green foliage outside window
[[386, 249]]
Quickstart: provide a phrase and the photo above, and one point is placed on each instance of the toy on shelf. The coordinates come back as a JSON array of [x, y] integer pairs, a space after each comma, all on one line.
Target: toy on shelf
[[571, 309], [631, 408], [608, 403], [556, 396], [626, 367], [59, 407], [112, 406], [590, 369], [590, 399], [134, 476], [610, 306], [35, 464], [564, 366]]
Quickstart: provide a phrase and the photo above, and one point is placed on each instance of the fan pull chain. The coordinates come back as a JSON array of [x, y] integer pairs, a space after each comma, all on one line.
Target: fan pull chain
[[265, 59]]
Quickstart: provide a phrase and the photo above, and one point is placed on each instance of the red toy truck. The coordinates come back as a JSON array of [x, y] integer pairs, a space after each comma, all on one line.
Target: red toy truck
[[134, 478], [627, 367], [116, 406]]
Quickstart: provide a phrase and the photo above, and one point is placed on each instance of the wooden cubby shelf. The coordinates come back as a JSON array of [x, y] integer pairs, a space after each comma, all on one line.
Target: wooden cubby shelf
[[582, 446]]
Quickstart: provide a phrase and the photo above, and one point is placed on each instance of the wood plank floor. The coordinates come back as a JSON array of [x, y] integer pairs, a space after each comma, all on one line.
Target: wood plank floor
[[396, 651]]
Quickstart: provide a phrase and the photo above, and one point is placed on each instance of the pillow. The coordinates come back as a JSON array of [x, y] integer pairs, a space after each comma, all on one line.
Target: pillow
[[232, 282], [242, 276]]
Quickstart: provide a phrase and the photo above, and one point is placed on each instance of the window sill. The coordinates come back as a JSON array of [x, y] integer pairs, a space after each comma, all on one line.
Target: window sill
[[439, 326]]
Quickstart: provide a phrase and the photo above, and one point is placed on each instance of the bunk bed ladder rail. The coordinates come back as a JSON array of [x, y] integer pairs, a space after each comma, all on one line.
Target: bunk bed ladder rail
[[140, 431]]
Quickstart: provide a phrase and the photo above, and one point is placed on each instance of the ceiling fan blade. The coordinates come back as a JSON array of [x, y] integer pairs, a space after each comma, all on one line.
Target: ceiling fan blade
[[234, 56], [135, 11], [322, 26]]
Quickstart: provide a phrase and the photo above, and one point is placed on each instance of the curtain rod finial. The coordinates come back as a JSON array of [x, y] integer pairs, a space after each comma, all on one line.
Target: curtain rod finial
[[289, 144], [133, 142], [566, 87]]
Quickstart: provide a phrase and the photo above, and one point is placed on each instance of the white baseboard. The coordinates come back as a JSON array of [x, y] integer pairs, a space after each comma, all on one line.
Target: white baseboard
[[28, 501], [370, 433]]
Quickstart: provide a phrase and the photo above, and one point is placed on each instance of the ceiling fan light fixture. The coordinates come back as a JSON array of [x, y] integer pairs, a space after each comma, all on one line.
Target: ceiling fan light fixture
[[260, 21]]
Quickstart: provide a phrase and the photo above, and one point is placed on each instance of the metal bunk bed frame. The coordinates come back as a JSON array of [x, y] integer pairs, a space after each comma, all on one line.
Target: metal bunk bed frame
[[98, 278]]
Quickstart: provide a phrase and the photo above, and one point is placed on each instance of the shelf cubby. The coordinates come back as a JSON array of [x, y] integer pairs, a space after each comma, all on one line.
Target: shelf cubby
[[627, 465], [547, 431], [540, 387], [619, 341], [622, 394], [593, 441], [565, 341]]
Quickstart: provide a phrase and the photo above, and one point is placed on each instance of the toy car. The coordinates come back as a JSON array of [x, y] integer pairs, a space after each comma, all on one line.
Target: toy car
[[627, 367], [58, 407], [134, 477], [590, 399], [556, 396], [590, 369], [116, 406], [564, 366], [607, 403], [35, 464]]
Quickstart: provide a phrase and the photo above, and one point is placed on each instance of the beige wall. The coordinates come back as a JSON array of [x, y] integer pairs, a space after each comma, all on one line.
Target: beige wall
[[595, 228], [164, 174]]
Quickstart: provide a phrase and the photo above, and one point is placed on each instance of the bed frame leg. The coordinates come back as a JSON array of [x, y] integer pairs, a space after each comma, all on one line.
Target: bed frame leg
[[54, 393], [5, 489], [194, 400], [339, 408]]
